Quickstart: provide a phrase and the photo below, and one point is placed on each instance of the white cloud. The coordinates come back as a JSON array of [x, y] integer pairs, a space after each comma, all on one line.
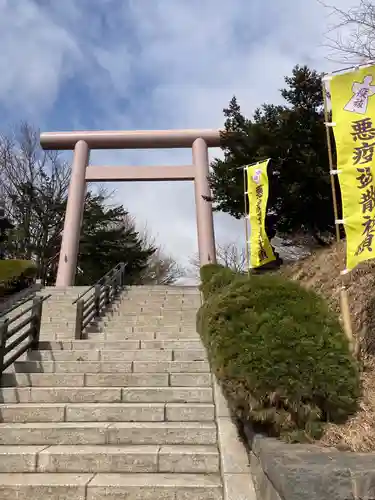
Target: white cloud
[[35, 57], [156, 64]]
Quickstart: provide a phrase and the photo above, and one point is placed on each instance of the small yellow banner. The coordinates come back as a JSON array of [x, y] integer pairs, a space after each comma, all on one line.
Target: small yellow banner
[[353, 117], [257, 190]]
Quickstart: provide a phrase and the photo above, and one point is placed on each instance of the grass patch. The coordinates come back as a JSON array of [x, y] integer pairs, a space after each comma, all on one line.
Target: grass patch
[[15, 275]]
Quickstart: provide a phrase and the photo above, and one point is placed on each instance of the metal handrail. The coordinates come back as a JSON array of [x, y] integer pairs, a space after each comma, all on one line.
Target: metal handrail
[[17, 304], [32, 333], [51, 259], [111, 271], [103, 293]]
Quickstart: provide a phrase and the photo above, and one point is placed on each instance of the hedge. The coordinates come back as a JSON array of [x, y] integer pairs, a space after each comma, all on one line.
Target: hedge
[[15, 275], [280, 355], [214, 277]]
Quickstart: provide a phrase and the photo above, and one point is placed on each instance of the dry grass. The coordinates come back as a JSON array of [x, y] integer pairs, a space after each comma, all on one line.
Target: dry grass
[[321, 272], [358, 433]]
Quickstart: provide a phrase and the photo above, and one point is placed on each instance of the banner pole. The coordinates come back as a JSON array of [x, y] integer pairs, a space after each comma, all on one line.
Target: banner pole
[[353, 67], [330, 161], [344, 299], [244, 167], [246, 217]]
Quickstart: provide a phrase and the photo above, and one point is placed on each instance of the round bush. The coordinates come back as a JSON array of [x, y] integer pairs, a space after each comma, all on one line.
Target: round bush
[[280, 355]]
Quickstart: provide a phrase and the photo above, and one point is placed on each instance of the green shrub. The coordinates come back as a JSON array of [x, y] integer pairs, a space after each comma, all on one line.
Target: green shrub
[[209, 270], [280, 356], [214, 277], [15, 275]]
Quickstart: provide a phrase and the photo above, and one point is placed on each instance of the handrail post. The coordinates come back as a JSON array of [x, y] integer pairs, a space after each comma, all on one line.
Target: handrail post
[[36, 322], [119, 275], [107, 292], [118, 280], [114, 285], [79, 319], [122, 271], [3, 339], [97, 300]]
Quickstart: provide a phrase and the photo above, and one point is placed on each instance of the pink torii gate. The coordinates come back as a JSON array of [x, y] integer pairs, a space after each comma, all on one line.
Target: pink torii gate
[[82, 142]]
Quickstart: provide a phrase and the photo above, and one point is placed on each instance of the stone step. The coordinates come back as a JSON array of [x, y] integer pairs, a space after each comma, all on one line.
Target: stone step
[[181, 343], [171, 366], [160, 298], [61, 305], [70, 310], [58, 316], [48, 336], [61, 355], [157, 313], [159, 333], [145, 313], [129, 327], [147, 316], [167, 394], [64, 314], [109, 367], [150, 335], [106, 412], [67, 334], [106, 379], [141, 318], [161, 327], [58, 300], [131, 345], [114, 355], [57, 321], [143, 486], [154, 298], [84, 433], [167, 296], [155, 487], [106, 395], [188, 459]]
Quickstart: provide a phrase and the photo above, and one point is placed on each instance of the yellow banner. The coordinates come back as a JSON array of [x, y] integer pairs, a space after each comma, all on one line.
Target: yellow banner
[[353, 117], [257, 189]]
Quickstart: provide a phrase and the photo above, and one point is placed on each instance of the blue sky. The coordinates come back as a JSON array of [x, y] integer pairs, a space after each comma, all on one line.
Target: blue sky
[[152, 64]]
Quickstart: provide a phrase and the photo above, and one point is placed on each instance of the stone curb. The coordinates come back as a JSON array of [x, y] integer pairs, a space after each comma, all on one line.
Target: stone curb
[[234, 461], [284, 471]]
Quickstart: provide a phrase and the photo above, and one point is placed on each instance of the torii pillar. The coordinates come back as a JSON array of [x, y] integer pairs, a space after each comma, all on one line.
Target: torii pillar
[[203, 204]]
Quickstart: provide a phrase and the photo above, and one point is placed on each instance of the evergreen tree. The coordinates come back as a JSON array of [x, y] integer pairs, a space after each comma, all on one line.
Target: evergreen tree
[[293, 136], [108, 237]]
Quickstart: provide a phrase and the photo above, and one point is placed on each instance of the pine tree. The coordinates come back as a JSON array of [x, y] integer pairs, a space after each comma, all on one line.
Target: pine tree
[[293, 136], [108, 237]]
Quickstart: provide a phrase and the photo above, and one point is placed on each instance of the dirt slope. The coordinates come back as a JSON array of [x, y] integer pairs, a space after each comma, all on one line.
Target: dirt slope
[[321, 272]]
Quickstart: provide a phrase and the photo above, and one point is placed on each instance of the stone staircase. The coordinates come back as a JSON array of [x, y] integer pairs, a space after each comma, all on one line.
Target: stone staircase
[[126, 414]]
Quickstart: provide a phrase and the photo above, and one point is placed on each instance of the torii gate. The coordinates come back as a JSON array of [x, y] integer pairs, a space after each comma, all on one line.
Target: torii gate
[[82, 142]]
